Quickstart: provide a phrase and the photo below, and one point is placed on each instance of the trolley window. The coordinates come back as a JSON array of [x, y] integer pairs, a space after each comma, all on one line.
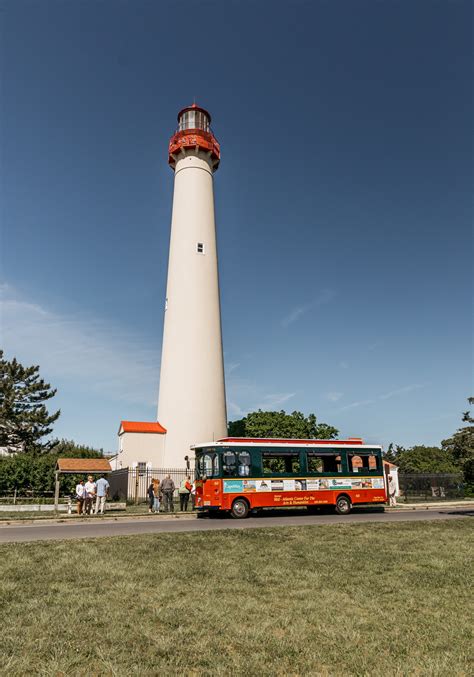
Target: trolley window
[[208, 465], [323, 463], [236, 463], [360, 462], [281, 463]]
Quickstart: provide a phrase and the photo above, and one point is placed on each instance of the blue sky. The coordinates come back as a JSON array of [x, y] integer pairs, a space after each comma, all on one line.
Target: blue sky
[[343, 204]]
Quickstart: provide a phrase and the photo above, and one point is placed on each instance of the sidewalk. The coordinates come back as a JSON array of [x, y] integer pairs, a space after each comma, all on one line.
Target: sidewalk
[[435, 505], [110, 516]]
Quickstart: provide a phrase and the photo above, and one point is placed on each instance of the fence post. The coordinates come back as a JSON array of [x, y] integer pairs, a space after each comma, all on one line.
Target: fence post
[[137, 479], [14, 497], [56, 492]]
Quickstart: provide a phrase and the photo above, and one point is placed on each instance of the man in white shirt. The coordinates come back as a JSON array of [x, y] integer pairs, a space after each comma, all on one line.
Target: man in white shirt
[[90, 489], [392, 490], [80, 495], [102, 489]]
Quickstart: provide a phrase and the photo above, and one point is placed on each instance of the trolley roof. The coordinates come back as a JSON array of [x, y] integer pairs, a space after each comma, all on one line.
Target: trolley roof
[[275, 442]]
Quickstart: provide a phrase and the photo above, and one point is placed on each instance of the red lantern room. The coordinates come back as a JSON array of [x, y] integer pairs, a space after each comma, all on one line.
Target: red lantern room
[[194, 133]]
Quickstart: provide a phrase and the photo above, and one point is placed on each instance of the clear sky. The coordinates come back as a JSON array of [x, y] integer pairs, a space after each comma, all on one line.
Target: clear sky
[[343, 204]]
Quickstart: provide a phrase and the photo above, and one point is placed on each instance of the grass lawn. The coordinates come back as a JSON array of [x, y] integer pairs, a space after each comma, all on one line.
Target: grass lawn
[[375, 599]]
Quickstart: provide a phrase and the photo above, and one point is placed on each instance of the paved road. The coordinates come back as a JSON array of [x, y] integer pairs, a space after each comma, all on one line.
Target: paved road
[[98, 527]]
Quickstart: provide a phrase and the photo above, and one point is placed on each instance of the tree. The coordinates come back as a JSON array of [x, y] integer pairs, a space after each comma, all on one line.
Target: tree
[[24, 418], [425, 459], [461, 446], [31, 472], [280, 424], [391, 454], [70, 449]]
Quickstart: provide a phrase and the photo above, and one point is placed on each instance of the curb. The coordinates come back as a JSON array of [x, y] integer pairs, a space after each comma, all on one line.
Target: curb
[[429, 506], [95, 518]]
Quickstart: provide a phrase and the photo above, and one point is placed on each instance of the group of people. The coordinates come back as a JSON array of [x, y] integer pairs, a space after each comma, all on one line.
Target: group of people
[[163, 492], [91, 496]]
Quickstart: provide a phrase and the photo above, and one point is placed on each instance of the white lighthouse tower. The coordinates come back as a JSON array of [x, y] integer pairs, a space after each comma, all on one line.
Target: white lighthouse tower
[[191, 402]]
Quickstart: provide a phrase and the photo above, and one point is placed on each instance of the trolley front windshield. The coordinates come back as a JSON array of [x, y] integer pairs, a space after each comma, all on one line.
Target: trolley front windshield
[[207, 464]]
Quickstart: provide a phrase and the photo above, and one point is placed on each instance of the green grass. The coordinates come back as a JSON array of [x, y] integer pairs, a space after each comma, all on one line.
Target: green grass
[[376, 599]]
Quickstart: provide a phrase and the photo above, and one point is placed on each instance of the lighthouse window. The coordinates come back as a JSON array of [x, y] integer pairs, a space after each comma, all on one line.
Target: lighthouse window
[[200, 248], [194, 119]]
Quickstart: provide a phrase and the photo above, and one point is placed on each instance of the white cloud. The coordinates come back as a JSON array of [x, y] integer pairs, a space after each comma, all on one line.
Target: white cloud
[[325, 296], [295, 314], [92, 357], [400, 391], [353, 405], [384, 396], [244, 396], [95, 357], [271, 402], [232, 366], [334, 396], [233, 409], [374, 346]]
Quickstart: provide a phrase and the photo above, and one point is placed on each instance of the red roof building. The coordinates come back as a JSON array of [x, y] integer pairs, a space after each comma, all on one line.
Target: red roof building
[[141, 427], [141, 444]]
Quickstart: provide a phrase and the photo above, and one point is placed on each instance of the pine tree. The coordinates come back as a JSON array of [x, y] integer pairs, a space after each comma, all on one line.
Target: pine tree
[[391, 454], [24, 418], [461, 445]]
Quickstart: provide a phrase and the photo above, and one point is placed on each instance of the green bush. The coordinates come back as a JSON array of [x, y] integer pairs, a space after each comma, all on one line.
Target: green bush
[[34, 473]]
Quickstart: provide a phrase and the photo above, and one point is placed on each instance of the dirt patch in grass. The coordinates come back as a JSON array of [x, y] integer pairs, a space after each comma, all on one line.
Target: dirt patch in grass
[[330, 600]]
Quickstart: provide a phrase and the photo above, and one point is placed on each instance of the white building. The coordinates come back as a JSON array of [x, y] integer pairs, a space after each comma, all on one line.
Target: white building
[[192, 406], [192, 393], [141, 445]]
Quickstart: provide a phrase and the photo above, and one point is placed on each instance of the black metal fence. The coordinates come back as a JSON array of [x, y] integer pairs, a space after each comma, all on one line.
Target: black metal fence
[[131, 484], [430, 486]]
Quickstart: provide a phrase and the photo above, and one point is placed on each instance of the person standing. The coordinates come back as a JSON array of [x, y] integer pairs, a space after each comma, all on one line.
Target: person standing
[[102, 491], [80, 495], [167, 489], [392, 490], [151, 497], [184, 491], [156, 495], [89, 488]]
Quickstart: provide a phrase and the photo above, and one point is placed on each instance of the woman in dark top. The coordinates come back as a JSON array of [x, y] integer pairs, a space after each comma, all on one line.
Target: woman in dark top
[[151, 497]]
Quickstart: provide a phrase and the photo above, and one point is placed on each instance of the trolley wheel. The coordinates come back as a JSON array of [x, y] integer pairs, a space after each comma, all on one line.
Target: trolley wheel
[[343, 505], [240, 509]]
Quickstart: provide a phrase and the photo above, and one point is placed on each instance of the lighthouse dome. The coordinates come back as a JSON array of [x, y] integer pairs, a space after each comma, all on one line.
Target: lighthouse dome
[[194, 117]]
